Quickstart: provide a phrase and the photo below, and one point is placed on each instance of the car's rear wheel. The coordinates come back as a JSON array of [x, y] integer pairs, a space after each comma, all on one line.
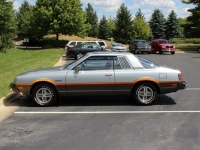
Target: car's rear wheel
[[44, 94], [172, 53], [79, 55], [145, 93]]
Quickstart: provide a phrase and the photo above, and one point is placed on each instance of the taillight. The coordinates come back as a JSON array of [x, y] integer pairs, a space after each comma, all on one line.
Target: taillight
[[68, 49], [180, 76]]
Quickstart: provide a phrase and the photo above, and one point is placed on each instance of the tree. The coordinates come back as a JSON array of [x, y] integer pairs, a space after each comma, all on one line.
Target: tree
[[24, 18], [103, 29], [182, 23], [7, 25], [141, 28], [111, 27], [139, 14], [60, 16], [123, 32], [172, 26], [193, 25], [92, 19], [157, 24]]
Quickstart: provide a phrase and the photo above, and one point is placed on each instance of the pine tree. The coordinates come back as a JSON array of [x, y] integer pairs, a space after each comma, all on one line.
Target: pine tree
[[24, 18], [139, 14], [157, 24], [7, 25], [123, 32], [92, 19], [103, 29], [182, 23], [111, 27], [172, 26], [193, 25], [141, 28]]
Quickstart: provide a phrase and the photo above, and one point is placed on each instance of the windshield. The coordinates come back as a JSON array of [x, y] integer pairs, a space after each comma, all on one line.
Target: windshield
[[146, 63], [163, 42], [68, 66], [141, 42], [118, 44]]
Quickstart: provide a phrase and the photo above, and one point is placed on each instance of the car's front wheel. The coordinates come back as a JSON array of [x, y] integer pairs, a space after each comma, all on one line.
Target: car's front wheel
[[199, 49], [172, 53], [44, 94], [145, 93]]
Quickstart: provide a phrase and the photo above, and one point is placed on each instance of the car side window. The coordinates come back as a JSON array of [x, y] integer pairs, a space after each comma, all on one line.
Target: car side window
[[97, 63], [72, 43], [121, 63]]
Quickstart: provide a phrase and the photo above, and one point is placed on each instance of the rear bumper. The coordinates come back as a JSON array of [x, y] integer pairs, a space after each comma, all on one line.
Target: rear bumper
[[172, 87]]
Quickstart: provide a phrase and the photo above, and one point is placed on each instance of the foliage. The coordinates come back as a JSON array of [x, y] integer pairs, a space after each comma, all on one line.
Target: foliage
[[123, 32], [173, 28], [111, 27], [182, 22], [193, 25], [92, 19], [24, 18], [157, 24], [139, 14], [19, 60], [141, 28], [60, 16], [185, 41], [7, 25], [103, 29]]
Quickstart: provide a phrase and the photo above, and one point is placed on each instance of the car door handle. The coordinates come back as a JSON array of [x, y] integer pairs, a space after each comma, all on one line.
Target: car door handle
[[108, 74]]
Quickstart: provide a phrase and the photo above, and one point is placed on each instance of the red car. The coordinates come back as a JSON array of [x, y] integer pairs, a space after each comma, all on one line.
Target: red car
[[162, 45]]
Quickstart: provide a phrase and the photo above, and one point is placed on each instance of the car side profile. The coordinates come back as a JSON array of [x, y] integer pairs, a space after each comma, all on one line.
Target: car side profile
[[162, 45], [81, 49], [100, 74]]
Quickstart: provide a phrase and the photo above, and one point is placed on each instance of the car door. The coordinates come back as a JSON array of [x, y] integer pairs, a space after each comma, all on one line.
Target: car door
[[96, 77]]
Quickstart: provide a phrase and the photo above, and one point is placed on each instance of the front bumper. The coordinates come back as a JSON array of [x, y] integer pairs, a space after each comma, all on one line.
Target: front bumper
[[14, 88], [168, 49]]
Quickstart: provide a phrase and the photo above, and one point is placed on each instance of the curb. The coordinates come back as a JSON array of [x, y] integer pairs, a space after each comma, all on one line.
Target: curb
[[5, 109]]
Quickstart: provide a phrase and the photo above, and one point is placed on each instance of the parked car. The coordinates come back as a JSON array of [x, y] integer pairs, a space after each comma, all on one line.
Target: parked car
[[117, 47], [100, 74], [81, 49], [199, 49], [139, 46], [162, 45], [74, 43]]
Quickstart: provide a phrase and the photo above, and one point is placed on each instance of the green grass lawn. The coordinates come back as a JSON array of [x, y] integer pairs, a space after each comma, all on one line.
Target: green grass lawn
[[16, 61], [187, 47]]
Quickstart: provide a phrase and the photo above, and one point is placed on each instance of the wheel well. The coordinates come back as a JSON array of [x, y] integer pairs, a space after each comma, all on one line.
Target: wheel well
[[34, 85], [153, 83]]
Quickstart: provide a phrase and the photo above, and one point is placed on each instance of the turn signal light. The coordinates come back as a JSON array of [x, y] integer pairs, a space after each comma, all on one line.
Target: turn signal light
[[180, 76]]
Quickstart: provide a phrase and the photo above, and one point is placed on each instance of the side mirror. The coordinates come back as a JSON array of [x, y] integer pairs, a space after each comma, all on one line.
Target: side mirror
[[77, 69]]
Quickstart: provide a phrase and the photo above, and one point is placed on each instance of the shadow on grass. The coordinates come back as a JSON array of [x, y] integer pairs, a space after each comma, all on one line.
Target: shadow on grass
[[23, 101]]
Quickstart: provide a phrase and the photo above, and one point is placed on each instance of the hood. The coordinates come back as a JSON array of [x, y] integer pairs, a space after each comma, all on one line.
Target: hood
[[167, 44], [42, 70]]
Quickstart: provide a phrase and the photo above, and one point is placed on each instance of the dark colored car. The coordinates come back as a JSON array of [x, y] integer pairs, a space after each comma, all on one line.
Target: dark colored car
[[137, 46], [79, 50]]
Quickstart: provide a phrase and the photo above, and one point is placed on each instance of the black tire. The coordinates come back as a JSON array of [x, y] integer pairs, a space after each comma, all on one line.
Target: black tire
[[199, 49], [44, 94], [152, 51], [172, 53], [139, 93], [148, 52], [160, 51]]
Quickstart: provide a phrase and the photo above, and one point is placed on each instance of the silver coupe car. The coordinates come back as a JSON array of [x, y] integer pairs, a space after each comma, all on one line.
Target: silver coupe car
[[97, 74]]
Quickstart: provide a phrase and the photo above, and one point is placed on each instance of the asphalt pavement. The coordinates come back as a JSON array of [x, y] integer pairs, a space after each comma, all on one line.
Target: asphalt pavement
[[112, 123]]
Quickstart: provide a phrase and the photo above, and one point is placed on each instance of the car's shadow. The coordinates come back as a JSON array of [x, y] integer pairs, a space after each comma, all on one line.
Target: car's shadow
[[23, 101]]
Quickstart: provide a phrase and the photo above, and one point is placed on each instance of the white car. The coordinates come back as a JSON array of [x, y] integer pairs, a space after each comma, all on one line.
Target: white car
[[100, 74], [117, 47]]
